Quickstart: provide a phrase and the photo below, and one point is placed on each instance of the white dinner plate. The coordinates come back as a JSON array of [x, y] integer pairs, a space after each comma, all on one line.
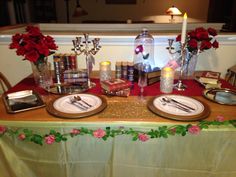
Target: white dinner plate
[[196, 109]]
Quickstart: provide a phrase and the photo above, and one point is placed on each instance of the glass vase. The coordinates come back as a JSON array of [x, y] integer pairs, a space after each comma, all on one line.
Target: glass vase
[[190, 65], [42, 73]]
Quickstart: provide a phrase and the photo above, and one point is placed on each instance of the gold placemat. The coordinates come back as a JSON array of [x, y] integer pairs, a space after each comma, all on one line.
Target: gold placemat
[[129, 108]]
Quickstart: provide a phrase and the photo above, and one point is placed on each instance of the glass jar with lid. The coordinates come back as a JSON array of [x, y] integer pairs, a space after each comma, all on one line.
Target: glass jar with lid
[[144, 51]]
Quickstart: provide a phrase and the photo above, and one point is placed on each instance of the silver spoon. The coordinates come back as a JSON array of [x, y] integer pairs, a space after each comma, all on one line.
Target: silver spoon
[[78, 98]]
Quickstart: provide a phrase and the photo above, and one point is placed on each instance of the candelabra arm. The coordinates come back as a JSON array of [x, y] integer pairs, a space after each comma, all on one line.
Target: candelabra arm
[[179, 85]]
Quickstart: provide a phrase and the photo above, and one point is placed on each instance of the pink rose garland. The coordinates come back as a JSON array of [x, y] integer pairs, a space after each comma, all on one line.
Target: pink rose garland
[[220, 118], [49, 139], [3, 129], [75, 131], [194, 129], [99, 133], [143, 137], [21, 136]]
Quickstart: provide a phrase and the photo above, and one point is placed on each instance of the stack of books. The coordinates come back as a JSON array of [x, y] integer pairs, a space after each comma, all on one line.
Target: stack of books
[[118, 87], [210, 79], [152, 76]]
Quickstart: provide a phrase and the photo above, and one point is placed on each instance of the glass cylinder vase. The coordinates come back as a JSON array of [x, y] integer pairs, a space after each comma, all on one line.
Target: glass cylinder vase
[[191, 63], [42, 73]]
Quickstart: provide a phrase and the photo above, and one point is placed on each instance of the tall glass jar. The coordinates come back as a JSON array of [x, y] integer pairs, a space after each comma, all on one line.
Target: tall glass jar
[[144, 50]]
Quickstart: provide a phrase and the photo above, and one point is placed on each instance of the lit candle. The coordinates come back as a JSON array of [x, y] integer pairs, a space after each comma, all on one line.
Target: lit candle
[[167, 80], [184, 27], [105, 70]]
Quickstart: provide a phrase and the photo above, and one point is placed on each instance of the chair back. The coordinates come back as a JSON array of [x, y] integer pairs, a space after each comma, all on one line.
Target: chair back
[[4, 83]]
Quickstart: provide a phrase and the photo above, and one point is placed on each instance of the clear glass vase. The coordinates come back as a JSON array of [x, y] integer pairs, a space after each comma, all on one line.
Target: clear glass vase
[[190, 65], [42, 73]]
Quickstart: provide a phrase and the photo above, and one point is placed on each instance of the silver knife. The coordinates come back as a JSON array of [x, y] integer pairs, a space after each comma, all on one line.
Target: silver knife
[[182, 104]]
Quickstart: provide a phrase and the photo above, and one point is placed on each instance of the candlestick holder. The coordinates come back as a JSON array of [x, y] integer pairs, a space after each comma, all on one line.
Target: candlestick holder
[[179, 85], [83, 47]]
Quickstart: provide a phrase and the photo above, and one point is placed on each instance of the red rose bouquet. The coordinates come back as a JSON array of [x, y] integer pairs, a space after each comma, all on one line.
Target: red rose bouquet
[[197, 41], [33, 45], [200, 39]]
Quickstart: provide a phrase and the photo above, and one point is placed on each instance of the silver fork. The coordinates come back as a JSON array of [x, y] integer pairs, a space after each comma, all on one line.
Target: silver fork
[[78, 104]]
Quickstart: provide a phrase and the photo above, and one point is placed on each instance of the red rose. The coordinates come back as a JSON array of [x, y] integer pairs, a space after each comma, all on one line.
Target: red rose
[[33, 30], [215, 44], [212, 31], [202, 35], [178, 38], [14, 45], [200, 30], [192, 34], [43, 50], [192, 44], [205, 45], [21, 51], [32, 56]]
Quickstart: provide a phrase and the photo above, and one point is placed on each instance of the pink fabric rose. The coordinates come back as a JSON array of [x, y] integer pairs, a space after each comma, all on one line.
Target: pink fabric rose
[[3, 129], [49, 139], [143, 137], [220, 118], [173, 64], [194, 129], [21, 136], [75, 131], [99, 133]]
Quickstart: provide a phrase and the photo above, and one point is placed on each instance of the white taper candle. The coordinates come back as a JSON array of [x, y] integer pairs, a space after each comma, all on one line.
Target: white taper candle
[[184, 28]]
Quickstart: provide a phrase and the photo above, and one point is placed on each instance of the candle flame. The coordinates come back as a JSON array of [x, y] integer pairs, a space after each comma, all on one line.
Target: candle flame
[[105, 63], [185, 15]]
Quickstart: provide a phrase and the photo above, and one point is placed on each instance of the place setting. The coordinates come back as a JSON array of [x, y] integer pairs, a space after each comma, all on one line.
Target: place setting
[[178, 107], [76, 105]]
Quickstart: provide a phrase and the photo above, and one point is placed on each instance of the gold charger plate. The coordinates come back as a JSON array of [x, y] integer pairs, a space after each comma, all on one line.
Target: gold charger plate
[[168, 110], [62, 106], [221, 95]]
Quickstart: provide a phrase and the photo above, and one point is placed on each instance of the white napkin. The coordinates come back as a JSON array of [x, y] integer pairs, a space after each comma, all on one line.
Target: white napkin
[[20, 94]]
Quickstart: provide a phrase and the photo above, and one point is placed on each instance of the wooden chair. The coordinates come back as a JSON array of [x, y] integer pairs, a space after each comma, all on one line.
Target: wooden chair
[[231, 75], [4, 83]]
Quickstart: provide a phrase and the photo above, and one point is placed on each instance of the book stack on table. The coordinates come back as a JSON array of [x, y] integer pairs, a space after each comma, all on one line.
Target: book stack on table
[[118, 87], [210, 79], [152, 76]]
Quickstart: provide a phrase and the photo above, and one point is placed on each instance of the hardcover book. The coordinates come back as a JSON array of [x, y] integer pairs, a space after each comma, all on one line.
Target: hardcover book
[[210, 77], [115, 84], [152, 77]]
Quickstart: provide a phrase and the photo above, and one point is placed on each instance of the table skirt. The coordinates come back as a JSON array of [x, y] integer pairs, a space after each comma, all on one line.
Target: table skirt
[[211, 153]]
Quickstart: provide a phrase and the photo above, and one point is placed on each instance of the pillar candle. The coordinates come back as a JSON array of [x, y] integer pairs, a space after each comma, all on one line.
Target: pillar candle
[[167, 80], [184, 28], [105, 70]]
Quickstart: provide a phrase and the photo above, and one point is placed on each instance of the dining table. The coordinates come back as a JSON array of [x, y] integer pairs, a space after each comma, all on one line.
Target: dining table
[[124, 139]]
